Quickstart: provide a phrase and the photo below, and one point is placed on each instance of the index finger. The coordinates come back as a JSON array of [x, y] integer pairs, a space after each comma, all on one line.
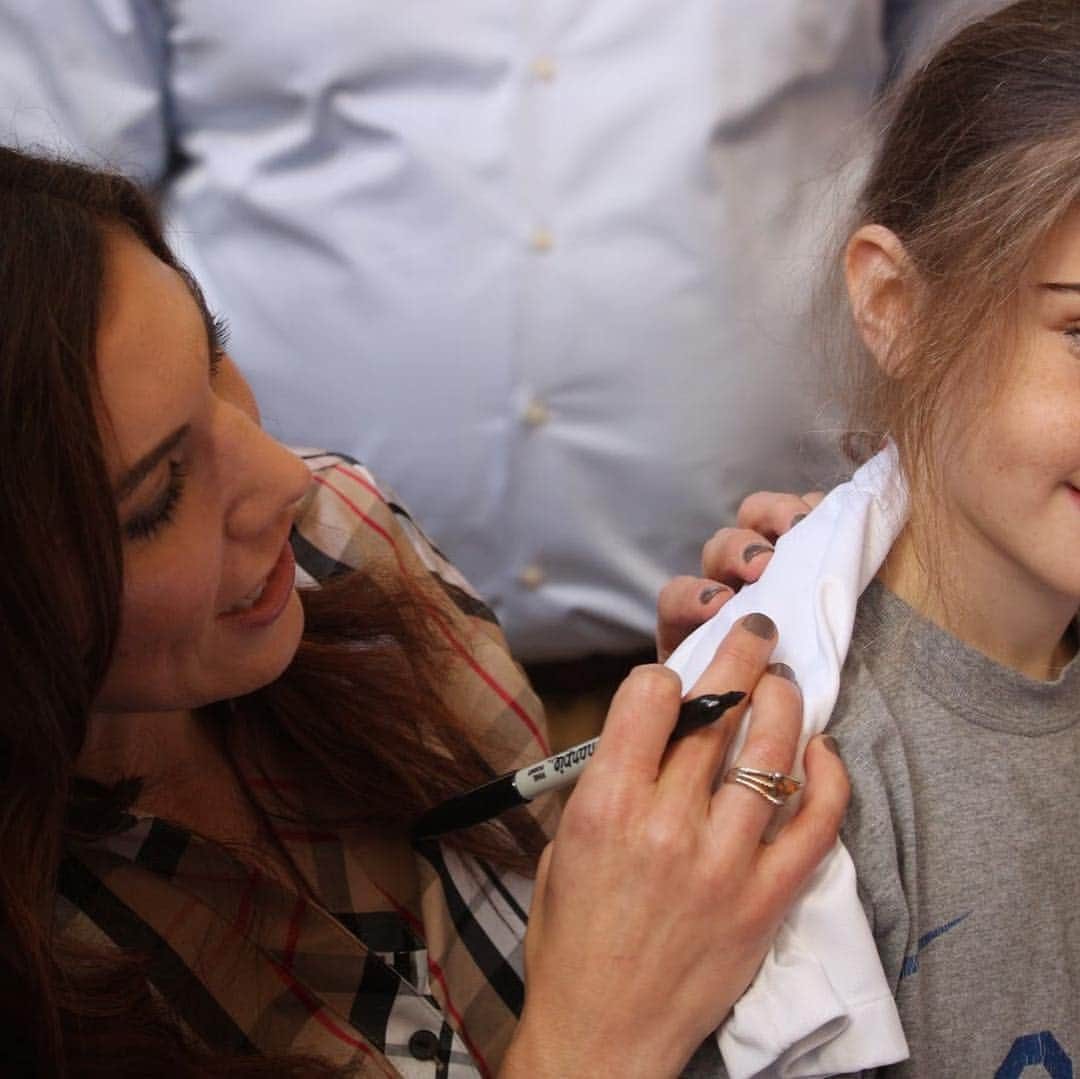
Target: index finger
[[638, 725], [741, 658], [637, 731], [738, 664]]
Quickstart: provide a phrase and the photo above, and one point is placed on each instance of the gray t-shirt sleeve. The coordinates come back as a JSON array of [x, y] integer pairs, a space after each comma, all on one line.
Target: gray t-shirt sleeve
[[880, 811]]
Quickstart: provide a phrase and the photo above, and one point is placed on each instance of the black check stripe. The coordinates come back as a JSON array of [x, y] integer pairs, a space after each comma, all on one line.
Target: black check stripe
[[167, 971], [465, 602], [374, 1001], [309, 558], [495, 881], [446, 1044], [163, 848], [380, 930], [494, 965]]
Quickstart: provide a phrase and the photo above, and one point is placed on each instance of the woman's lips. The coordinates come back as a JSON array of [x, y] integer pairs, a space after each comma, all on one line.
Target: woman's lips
[[268, 602]]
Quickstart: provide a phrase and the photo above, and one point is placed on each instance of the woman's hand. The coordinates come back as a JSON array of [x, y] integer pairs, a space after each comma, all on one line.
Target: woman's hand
[[657, 900], [730, 558]]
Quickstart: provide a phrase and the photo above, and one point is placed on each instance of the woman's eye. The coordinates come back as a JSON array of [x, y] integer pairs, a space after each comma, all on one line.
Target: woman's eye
[[147, 523], [1073, 334]]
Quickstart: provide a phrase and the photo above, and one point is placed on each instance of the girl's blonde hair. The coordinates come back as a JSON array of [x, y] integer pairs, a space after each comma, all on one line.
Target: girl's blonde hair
[[978, 163]]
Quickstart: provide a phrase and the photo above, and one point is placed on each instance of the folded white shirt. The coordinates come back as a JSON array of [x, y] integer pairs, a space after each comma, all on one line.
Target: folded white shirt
[[820, 1005]]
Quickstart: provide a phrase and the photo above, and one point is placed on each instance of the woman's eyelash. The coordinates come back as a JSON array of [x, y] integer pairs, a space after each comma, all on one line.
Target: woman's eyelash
[[144, 525], [219, 335]]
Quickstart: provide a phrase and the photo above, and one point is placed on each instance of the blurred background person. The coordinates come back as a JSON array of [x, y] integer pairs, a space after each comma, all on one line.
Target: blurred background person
[[545, 266]]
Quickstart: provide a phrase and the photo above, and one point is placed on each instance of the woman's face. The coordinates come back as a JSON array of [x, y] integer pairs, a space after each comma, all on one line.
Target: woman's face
[[205, 500]]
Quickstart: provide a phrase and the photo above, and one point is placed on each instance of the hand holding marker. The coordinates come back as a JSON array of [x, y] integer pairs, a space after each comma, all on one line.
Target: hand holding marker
[[552, 774]]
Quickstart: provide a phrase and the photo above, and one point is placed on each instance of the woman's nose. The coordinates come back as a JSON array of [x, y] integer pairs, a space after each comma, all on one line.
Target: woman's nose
[[270, 481]]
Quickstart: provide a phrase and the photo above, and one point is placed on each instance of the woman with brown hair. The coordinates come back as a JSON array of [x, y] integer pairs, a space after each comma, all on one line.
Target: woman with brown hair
[[208, 776]]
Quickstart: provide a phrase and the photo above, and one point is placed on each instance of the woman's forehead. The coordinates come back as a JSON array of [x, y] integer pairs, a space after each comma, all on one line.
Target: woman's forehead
[[151, 341]]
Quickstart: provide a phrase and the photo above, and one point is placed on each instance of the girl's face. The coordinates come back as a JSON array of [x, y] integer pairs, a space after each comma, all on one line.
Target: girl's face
[[205, 500], [1012, 484]]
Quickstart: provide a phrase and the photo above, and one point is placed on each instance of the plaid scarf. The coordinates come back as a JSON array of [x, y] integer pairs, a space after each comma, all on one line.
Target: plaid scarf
[[422, 984]]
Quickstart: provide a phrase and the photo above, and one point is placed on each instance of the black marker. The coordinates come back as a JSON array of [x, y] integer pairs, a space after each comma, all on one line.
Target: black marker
[[515, 788]]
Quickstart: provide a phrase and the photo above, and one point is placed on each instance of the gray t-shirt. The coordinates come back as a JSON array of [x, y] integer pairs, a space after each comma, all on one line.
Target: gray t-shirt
[[964, 828]]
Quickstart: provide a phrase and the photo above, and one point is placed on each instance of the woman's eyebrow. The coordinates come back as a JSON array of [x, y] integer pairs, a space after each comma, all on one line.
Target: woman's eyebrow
[[146, 464]]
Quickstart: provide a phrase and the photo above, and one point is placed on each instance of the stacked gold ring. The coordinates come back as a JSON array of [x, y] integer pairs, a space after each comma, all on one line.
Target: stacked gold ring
[[774, 787]]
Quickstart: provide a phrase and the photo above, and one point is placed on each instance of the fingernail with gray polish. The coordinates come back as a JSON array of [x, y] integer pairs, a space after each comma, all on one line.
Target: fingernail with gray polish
[[796, 519], [711, 592], [782, 670], [754, 550], [830, 743], [760, 625]]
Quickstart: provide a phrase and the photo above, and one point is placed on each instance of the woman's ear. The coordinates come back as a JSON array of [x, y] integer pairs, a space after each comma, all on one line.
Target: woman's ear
[[880, 289]]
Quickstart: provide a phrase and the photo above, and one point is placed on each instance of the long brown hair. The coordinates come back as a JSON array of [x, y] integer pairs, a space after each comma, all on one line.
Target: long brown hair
[[365, 721], [979, 161]]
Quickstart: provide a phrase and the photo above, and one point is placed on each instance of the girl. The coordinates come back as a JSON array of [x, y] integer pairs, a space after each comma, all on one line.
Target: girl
[[959, 709]]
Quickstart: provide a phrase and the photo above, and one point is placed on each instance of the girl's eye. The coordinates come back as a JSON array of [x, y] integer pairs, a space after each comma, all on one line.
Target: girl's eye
[[146, 524], [1073, 334]]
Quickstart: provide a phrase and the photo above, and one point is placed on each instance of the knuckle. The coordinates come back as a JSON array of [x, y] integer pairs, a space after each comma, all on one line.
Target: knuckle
[[770, 511], [788, 875], [821, 834], [742, 660], [772, 750], [653, 683], [597, 810], [718, 877], [708, 551], [828, 798], [665, 839], [781, 696], [758, 921], [750, 507], [670, 601], [717, 549]]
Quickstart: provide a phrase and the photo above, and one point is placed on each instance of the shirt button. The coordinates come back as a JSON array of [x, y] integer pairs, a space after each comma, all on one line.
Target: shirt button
[[544, 68], [542, 241], [532, 577], [536, 413], [423, 1045]]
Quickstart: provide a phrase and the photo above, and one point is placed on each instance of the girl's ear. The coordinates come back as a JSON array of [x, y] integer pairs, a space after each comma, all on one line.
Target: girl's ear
[[880, 289]]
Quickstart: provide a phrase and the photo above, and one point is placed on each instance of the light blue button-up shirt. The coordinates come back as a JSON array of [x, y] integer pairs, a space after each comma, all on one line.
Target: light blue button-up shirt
[[546, 265]]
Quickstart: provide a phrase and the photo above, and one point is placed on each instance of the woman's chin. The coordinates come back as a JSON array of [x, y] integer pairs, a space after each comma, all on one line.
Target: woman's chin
[[267, 656]]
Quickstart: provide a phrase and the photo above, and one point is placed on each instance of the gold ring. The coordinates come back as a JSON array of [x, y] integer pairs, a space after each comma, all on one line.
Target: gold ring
[[774, 787]]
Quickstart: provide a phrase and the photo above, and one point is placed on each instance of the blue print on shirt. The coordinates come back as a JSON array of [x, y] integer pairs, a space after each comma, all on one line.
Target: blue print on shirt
[[1036, 1049], [911, 962]]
